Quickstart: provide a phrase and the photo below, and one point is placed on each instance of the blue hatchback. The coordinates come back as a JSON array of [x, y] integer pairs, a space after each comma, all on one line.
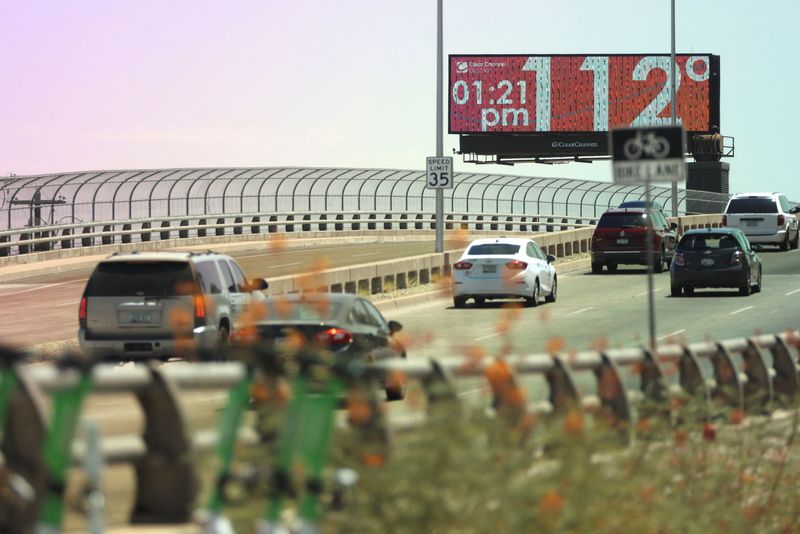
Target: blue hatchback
[[715, 257]]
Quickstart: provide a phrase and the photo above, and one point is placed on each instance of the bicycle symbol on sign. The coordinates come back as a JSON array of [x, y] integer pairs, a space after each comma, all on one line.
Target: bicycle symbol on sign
[[648, 144]]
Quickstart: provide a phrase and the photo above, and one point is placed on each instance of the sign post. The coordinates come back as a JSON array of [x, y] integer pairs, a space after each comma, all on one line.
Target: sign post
[[644, 156], [439, 176]]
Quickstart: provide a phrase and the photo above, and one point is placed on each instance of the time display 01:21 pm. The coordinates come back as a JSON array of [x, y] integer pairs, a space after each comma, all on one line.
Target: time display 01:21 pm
[[576, 93]]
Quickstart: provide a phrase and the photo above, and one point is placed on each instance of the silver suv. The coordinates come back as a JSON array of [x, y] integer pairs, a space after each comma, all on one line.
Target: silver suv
[[765, 218], [161, 304]]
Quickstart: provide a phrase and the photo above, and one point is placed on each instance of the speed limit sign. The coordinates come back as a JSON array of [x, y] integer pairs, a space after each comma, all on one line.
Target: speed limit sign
[[440, 173]]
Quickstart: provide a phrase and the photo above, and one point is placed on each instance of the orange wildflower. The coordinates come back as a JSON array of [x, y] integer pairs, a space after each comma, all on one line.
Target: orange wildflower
[[373, 459], [709, 432], [573, 423], [737, 416], [555, 344], [551, 502]]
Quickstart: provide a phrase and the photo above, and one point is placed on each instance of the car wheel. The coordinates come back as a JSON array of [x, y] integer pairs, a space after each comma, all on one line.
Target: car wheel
[[667, 262], [612, 267], [554, 291], [480, 301], [533, 300], [658, 264], [745, 288], [796, 242], [459, 302], [757, 286], [784, 246], [597, 268], [688, 291], [222, 343], [674, 290], [397, 392]]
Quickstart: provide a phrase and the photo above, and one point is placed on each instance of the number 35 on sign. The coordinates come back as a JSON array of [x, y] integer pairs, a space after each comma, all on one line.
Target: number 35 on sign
[[439, 173]]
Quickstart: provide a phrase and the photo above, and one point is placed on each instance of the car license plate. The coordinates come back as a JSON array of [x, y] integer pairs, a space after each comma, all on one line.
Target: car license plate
[[752, 223], [706, 262], [139, 317], [490, 268], [622, 241]]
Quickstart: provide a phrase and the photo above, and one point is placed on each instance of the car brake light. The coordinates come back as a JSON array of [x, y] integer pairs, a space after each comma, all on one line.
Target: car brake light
[[724, 220], [335, 338], [516, 265], [781, 220], [462, 265], [679, 261], [199, 310], [736, 258], [82, 312]]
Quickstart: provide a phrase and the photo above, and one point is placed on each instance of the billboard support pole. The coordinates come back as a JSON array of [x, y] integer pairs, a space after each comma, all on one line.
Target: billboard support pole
[[673, 103], [651, 312], [439, 127]]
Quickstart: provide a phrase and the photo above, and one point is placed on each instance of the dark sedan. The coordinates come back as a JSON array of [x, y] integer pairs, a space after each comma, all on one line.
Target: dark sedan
[[347, 325], [715, 257]]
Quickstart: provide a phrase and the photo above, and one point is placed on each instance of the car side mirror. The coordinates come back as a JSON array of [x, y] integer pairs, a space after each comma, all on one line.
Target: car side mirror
[[550, 258], [795, 210], [258, 284], [394, 326], [673, 226]]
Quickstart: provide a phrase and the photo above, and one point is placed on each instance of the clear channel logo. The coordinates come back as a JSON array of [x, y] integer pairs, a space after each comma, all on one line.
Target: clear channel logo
[[462, 66]]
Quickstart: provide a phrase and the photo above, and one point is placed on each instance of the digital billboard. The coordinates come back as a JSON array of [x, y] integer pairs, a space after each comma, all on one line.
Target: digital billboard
[[570, 94]]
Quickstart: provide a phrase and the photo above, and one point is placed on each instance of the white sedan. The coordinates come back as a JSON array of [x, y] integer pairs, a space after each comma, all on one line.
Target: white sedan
[[499, 268]]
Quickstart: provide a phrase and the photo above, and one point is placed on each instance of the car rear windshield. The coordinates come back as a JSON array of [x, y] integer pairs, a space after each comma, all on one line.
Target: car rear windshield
[[148, 279], [308, 310], [490, 249], [621, 220], [708, 241], [752, 205]]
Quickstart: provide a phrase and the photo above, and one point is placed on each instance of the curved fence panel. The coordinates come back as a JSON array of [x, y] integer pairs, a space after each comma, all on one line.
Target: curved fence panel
[[86, 197]]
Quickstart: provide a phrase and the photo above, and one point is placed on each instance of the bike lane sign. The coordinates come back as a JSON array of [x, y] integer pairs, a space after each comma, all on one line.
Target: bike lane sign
[[653, 154]]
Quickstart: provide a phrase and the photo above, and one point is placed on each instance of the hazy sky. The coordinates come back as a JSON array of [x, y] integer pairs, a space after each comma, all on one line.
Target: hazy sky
[[108, 84]]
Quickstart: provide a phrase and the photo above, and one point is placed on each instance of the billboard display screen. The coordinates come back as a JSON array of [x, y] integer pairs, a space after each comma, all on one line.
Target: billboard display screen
[[536, 94]]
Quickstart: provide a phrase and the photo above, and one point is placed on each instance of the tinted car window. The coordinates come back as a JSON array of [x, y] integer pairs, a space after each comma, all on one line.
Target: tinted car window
[[131, 279], [752, 205], [708, 241], [238, 277], [377, 318], [538, 252], [493, 248], [209, 277], [227, 277], [621, 220], [360, 315]]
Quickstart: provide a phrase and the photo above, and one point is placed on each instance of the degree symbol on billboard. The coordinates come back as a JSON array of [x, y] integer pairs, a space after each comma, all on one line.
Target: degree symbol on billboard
[[695, 64]]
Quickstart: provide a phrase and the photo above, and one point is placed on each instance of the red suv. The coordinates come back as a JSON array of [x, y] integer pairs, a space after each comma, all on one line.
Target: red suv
[[619, 238]]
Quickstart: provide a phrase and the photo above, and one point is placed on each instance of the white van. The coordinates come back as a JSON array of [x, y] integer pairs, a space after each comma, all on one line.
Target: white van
[[765, 218]]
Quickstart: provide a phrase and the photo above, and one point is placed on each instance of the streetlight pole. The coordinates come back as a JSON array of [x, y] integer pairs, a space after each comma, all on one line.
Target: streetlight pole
[[439, 126], [673, 103]]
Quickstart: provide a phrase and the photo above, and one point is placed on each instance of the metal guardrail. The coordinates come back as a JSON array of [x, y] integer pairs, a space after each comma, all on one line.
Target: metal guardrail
[[69, 236], [756, 375]]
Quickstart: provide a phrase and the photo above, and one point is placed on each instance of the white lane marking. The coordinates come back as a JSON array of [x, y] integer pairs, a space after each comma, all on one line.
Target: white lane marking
[[643, 293], [65, 304], [580, 311], [285, 264], [45, 286], [793, 292], [365, 254], [740, 310], [486, 336], [15, 286], [471, 392], [675, 333]]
